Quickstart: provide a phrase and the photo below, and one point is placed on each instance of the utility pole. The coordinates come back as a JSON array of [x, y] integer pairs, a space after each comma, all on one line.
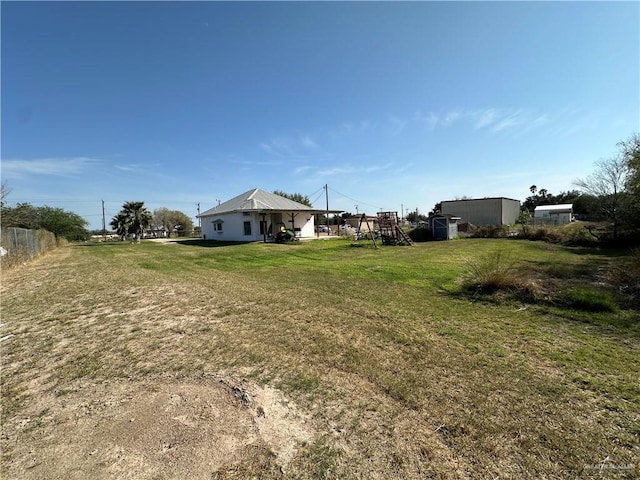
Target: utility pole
[[401, 214], [326, 196], [199, 219], [104, 225], [356, 209]]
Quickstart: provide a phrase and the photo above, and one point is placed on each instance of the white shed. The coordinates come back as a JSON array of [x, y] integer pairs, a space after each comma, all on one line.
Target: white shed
[[554, 214]]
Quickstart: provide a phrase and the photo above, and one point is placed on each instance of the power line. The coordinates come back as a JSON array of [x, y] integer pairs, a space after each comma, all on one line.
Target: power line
[[316, 199], [359, 202]]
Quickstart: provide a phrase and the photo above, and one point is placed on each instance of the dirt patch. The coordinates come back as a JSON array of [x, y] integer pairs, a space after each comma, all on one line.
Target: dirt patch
[[163, 428]]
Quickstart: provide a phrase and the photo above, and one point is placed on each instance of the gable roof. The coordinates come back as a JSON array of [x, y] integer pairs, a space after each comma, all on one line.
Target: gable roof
[[258, 200]]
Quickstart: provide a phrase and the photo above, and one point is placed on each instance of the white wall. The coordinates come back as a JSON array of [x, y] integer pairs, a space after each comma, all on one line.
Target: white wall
[[553, 217], [233, 226]]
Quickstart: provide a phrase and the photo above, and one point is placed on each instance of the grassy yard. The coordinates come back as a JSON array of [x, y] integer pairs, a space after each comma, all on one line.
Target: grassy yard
[[385, 365]]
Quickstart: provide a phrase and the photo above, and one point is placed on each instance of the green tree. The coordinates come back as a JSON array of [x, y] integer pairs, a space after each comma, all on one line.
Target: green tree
[[182, 223], [537, 197], [172, 221], [132, 219], [63, 224], [415, 217], [296, 197], [437, 208]]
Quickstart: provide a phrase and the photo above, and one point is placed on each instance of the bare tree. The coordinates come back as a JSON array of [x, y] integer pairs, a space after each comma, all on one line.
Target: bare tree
[[608, 184], [630, 150], [4, 191]]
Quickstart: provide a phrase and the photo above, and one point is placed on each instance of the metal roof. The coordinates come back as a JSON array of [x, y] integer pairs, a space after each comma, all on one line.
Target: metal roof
[[258, 200], [562, 206], [477, 199]]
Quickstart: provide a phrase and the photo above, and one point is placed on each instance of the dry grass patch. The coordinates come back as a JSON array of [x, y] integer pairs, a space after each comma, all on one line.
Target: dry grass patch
[[373, 368]]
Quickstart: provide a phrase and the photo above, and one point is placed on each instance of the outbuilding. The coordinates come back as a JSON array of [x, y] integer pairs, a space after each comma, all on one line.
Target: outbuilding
[[554, 214], [444, 227]]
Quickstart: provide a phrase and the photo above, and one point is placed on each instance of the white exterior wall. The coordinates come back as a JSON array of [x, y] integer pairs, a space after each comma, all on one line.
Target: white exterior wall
[[556, 217], [233, 226]]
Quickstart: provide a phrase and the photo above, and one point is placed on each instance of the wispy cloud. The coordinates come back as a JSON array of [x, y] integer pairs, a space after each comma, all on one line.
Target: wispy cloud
[[279, 147], [485, 118], [308, 142], [349, 128], [47, 166], [288, 147], [398, 124], [508, 121], [344, 169], [495, 120]]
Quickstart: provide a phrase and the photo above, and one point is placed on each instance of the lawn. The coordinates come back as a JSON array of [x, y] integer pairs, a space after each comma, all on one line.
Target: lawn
[[317, 360]]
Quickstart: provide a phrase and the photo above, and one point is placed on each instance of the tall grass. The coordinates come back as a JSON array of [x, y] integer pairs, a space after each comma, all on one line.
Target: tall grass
[[496, 271]]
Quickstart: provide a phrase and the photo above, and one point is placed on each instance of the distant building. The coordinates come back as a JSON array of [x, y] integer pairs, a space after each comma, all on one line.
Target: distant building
[[484, 211], [553, 214]]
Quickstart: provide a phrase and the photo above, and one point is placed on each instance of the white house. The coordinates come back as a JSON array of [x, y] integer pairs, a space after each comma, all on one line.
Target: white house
[[554, 214], [257, 215]]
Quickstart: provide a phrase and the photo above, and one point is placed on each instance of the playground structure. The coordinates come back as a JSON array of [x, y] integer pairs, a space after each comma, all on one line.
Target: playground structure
[[389, 230]]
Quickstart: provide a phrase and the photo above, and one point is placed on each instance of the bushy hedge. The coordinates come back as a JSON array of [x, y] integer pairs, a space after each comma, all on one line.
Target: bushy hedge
[[491, 231], [420, 235]]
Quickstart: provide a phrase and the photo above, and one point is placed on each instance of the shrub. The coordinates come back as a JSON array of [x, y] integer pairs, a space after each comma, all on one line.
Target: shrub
[[492, 231], [626, 277], [420, 235], [495, 272]]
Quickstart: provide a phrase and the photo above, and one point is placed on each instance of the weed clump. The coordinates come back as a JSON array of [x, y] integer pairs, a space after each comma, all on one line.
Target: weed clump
[[495, 272], [626, 277]]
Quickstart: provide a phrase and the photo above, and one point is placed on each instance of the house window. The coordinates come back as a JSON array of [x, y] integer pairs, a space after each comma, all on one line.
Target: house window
[[217, 226], [247, 228]]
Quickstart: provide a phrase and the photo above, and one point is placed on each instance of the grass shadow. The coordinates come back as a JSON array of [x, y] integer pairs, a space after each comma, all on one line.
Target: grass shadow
[[197, 242]]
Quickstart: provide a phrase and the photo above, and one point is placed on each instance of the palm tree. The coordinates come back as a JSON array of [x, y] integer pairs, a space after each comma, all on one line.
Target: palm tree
[[140, 218], [120, 224], [132, 219]]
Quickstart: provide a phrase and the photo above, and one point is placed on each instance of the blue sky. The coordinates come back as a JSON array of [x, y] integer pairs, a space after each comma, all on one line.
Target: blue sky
[[393, 105]]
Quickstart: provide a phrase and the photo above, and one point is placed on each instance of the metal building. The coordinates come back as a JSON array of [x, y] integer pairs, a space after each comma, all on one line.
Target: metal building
[[484, 211], [553, 214]]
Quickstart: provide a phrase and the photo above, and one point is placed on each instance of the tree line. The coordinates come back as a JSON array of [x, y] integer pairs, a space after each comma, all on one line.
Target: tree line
[[134, 219], [62, 223]]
